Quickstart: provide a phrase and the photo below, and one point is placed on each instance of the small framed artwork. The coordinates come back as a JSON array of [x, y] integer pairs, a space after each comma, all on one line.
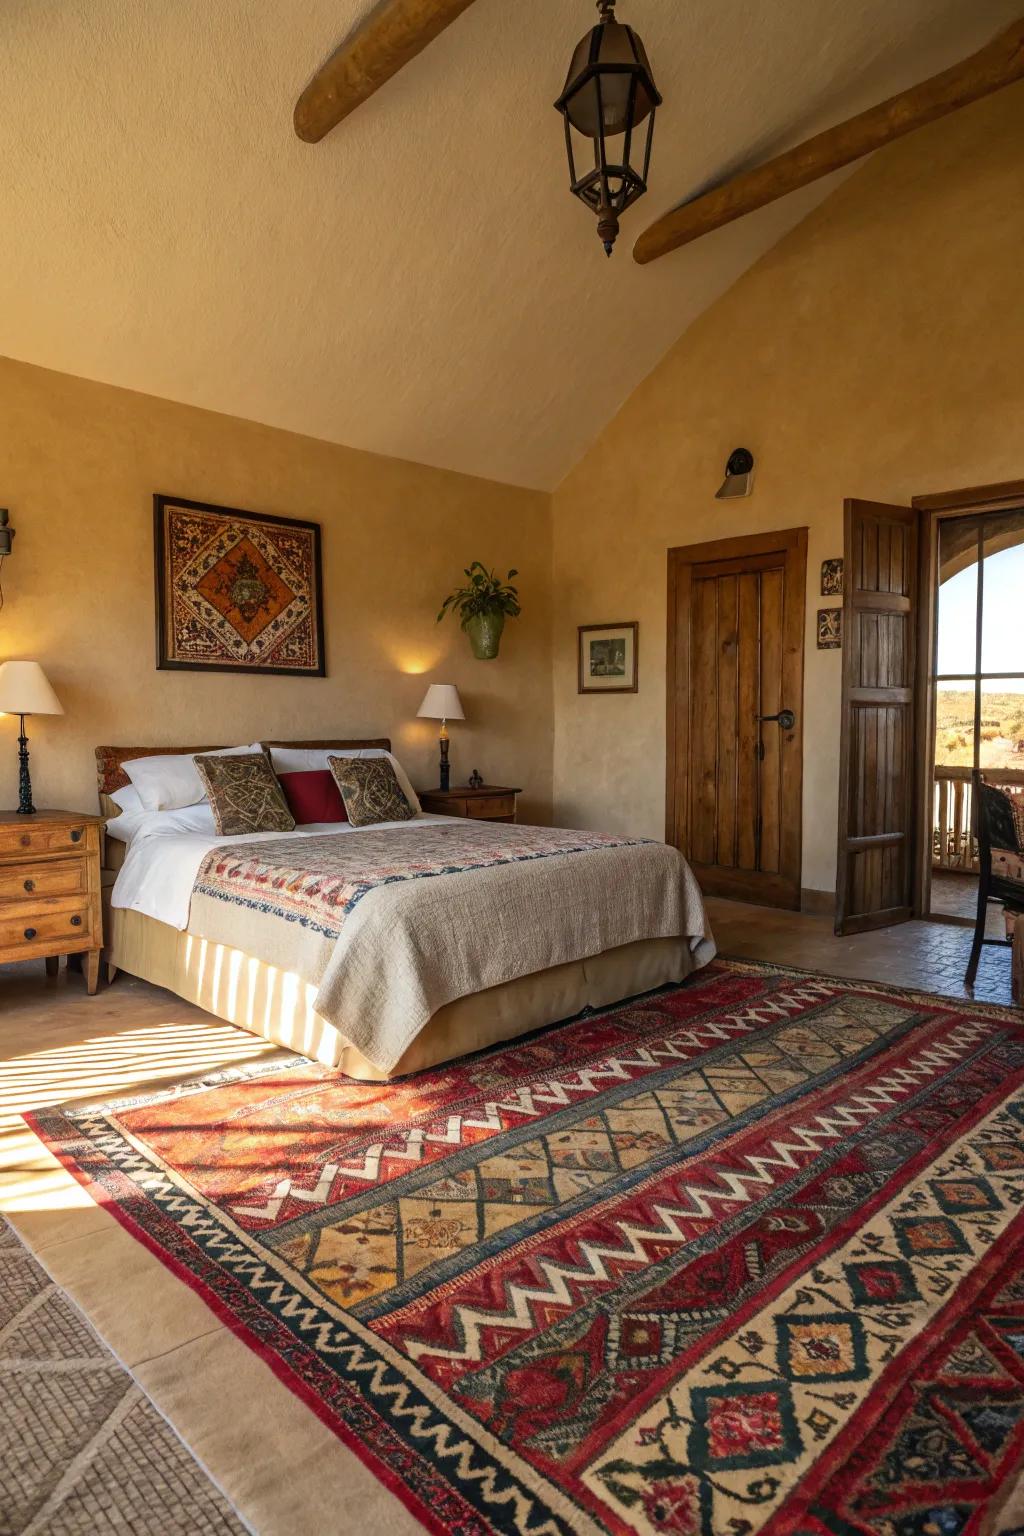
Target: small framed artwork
[[830, 629], [237, 591], [608, 658], [832, 578]]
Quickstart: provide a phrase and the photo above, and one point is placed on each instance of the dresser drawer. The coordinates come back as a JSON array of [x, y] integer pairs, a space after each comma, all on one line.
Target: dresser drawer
[[490, 807], [59, 926], [45, 837], [55, 877]]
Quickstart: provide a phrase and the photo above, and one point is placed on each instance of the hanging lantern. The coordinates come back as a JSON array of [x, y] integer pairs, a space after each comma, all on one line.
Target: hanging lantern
[[610, 92]]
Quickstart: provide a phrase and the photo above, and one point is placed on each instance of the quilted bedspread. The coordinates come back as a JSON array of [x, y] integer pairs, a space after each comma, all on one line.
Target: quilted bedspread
[[392, 925]]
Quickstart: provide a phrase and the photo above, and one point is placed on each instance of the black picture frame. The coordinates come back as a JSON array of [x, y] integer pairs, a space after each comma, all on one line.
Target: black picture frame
[[629, 635]]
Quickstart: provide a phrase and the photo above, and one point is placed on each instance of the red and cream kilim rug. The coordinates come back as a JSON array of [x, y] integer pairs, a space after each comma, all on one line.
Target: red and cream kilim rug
[[743, 1256]]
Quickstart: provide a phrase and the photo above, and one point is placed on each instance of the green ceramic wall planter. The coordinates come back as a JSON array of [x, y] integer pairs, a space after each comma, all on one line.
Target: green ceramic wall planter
[[484, 631], [483, 604]]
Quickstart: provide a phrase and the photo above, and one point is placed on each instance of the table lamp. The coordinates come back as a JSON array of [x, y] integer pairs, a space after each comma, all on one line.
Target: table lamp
[[442, 702], [24, 690]]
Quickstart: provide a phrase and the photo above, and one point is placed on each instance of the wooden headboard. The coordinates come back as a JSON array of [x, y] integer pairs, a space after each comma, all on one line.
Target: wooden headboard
[[110, 761]]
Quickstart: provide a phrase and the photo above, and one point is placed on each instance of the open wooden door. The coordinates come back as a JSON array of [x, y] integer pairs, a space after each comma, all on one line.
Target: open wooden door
[[735, 713], [875, 882]]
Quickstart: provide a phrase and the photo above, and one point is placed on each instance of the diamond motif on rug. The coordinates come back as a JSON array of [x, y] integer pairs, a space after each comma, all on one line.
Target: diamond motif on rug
[[743, 1426], [823, 1347]]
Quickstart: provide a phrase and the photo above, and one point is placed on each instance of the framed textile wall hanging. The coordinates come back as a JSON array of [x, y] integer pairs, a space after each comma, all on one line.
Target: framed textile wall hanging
[[237, 591]]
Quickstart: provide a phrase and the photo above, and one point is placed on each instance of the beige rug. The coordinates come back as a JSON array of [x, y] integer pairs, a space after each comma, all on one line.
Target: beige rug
[[82, 1449]]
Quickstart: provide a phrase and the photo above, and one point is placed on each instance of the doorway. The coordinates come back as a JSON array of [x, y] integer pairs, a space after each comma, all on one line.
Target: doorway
[[976, 684], [735, 713]]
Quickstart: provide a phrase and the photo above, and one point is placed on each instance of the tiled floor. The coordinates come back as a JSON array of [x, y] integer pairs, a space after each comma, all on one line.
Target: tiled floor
[[957, 896], [931, 956]]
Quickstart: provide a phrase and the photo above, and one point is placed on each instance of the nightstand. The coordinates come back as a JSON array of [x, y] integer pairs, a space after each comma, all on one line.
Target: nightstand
[[488, 803], [50, 889]]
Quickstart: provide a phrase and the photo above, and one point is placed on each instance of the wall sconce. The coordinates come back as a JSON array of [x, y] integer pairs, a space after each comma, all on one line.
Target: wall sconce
[[739, 475], [6, 545]]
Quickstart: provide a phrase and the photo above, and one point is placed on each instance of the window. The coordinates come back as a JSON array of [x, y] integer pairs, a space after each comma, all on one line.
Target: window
[[979, 654]]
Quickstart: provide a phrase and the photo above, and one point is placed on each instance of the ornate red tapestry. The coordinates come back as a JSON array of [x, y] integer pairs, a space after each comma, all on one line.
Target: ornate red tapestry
[[743, 1256], [237, 591]]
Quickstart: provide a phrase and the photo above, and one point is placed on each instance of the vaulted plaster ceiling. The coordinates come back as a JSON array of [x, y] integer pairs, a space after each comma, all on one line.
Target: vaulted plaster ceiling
[[420, 284]]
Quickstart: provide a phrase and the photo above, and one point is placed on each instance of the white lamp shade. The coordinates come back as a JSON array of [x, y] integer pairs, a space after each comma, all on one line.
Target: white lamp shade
[[24, 690], [441, 702]]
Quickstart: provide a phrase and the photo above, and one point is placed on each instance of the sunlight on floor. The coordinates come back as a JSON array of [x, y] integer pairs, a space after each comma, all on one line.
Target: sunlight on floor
[[94, 1069]]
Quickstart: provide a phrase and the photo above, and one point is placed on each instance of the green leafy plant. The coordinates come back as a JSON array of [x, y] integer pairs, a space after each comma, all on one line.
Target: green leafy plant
[[484, 593]]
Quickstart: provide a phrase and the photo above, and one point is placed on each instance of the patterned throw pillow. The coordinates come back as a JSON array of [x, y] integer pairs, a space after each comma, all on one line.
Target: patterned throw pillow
[[370, 789], [244, 794]]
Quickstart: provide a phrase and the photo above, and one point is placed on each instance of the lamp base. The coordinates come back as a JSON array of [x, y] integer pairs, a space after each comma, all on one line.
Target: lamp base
[[25, 806], [446, 772]]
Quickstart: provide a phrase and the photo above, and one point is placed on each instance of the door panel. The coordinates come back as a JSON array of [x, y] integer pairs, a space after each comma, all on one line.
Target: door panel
[[736, 620], [876, 817], [728, 729], [748, 768], [771, 740]]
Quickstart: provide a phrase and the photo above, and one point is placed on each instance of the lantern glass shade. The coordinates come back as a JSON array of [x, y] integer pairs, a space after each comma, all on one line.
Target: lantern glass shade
[[609, 95], [603, 70]]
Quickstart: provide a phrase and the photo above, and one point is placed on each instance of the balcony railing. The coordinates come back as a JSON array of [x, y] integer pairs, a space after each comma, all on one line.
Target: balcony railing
[[954, 845]]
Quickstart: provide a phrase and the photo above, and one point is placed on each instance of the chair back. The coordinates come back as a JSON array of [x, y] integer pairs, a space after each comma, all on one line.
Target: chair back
[[997, 824]]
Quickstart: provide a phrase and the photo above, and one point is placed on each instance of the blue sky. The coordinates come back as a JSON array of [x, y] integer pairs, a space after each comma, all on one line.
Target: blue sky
[[1003, 637]]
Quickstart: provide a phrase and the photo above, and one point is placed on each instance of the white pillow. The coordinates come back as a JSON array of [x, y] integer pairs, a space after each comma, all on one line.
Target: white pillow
[[128, 800], [170, 782], [125, 826], [189, 818], [314, 759]]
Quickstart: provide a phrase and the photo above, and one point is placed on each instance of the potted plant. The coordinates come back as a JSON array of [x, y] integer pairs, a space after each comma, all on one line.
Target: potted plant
[[483, 605]]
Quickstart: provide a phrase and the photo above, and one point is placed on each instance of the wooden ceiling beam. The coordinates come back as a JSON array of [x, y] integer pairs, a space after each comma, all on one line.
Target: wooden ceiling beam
[[394, 34], [999, 64]]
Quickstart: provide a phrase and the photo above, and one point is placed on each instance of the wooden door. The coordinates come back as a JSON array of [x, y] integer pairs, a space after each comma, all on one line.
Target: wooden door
[[876, 786], [735, 664]]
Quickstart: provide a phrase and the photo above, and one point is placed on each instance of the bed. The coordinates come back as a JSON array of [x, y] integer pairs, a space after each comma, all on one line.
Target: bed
[[388, 949]]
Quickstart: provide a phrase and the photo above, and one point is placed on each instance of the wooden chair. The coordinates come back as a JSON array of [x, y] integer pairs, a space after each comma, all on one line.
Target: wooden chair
[[998, 830]]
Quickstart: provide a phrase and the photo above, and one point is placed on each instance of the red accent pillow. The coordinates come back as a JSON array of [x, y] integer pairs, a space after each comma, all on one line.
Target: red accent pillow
[[313, 796]]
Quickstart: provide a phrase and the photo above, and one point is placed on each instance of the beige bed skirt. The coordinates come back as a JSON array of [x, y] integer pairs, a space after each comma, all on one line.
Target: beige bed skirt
[[278, 1005]]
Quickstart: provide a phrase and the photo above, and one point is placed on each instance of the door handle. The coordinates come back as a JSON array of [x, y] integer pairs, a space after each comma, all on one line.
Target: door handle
[[785, 717]]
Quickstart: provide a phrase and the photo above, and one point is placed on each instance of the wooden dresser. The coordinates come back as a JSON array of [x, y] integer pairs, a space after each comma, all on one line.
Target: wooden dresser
[[50, 889], [490, 802]]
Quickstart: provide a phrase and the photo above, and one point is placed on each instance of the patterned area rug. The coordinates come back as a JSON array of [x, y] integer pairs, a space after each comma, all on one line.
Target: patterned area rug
[[82, 1450], [742, 1256]]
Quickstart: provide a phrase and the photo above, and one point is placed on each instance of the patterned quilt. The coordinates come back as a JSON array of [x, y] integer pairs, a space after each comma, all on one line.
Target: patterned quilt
[[392, 924], [316, 881]]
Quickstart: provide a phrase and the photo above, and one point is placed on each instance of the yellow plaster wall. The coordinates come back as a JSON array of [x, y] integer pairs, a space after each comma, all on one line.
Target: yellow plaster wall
[[877, 351], [79, 463]]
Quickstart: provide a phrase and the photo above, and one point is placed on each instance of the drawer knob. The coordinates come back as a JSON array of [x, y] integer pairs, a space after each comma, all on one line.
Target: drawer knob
[[30, 885], [30, 933], [25, 840], [76, 836], [76, 922]]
